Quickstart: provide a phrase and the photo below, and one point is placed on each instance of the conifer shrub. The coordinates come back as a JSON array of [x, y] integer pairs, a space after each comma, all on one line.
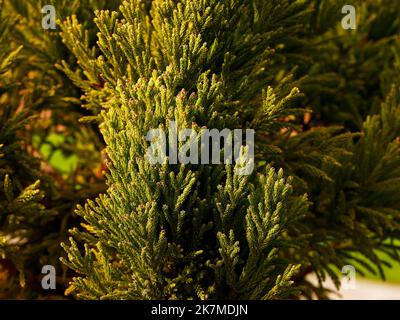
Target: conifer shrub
[[322, 101]]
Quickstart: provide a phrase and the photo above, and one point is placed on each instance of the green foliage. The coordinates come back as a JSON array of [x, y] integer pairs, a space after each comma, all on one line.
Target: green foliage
[[350, 73], [20, 196], [36, 200], [324, 103], [177, 231]]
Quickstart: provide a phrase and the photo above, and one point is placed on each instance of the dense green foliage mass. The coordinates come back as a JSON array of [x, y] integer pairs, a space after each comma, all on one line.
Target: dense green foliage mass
[[324, 103]]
